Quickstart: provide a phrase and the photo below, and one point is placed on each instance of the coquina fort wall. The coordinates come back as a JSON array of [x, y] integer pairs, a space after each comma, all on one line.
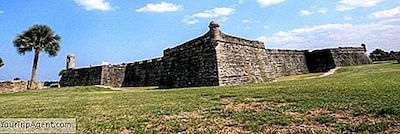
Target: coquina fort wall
[[215, 59]]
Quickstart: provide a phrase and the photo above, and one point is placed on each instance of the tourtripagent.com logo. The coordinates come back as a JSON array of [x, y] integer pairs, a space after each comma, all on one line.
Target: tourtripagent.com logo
[[26, 125]]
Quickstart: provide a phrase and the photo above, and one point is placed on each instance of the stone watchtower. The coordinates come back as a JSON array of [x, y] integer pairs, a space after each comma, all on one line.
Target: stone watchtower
[[364, 47], [70, 61], [214, 31]]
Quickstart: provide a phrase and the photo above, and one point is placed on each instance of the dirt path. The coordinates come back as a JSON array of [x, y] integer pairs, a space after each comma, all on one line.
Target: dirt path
[[330, 72]]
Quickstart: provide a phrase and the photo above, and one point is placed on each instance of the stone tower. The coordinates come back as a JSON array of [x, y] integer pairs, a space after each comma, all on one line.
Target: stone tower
[[364, 47], [70, 61], [214, 30]]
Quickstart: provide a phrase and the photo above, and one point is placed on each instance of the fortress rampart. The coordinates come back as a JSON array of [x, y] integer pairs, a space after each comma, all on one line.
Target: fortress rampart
[[215, 59], [287, 62], [326, 59]]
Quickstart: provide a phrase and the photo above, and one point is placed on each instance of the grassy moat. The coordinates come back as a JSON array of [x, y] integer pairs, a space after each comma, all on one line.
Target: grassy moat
[[355, 99]]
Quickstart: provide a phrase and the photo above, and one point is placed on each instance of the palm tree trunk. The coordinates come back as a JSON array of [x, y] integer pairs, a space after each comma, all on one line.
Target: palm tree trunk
[[34, 70], [35, 64]]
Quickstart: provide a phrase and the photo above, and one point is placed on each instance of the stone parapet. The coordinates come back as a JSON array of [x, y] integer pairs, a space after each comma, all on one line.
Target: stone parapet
[[241, 41], [16, 85], [281, 51]]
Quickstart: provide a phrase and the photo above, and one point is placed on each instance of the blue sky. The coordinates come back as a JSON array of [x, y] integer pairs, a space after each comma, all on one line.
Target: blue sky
[[117, 31]]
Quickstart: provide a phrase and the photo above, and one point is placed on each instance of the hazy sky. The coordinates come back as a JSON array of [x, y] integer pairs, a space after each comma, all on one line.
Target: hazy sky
[[118, 31]]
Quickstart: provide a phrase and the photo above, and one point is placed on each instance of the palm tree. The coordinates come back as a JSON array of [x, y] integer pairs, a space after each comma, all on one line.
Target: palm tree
[[1, 63], [38, 38]]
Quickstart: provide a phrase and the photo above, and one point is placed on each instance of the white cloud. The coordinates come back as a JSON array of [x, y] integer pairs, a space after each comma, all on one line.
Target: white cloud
[[390, 21], [250, 21], [245, 21], [305, 13], [214, 13], [382, 34], [190, 21], [219, 13], [262, 38], [390, 13], [345, 5], [347, 18], [94, 4], [160, 7], [105, 63], [266, 3]]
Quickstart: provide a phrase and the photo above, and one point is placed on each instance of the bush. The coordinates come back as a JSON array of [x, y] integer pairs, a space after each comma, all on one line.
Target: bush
[[381, 55]]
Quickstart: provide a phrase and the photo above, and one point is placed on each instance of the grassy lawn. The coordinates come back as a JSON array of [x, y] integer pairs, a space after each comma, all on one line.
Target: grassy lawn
[[355, 99], [299, 77]]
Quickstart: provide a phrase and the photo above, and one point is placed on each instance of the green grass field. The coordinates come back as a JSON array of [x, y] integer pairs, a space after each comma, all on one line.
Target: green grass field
[[355, 99]]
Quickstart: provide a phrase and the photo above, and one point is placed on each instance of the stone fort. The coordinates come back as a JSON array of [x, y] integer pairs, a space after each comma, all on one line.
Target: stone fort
[[214, 59]]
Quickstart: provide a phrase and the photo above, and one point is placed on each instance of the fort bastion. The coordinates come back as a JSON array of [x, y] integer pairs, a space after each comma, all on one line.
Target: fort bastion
[[214, 59]]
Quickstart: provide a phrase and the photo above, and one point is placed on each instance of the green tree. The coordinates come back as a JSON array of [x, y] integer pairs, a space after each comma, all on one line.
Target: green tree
[[38, 38], [1, 63], [379, 55]]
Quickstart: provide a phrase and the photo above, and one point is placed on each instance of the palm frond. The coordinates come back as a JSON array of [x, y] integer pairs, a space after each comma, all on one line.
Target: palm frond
[[38, 37], [1, 63]]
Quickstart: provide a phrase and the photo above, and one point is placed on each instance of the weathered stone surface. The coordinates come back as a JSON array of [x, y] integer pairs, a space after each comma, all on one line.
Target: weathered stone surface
[[191, 64], [286, 62], [70, 61], [326, 59], [145, 73], [35, 85], [82, 77], [241, 63], [216, 59], [348, 56], [113, 75], [17, 85], [13, 86]]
